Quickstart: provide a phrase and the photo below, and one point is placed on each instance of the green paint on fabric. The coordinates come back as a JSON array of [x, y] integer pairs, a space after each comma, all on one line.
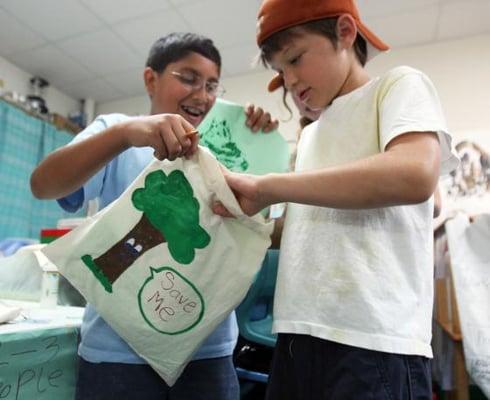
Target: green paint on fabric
[[170, 214], [169, 204], [217, 138], [99, 274]]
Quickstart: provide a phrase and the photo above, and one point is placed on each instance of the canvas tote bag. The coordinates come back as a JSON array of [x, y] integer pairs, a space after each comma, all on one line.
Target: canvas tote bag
[[159, 266]]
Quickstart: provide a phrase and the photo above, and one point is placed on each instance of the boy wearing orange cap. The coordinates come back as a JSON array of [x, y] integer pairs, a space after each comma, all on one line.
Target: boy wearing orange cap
[[354, 290]]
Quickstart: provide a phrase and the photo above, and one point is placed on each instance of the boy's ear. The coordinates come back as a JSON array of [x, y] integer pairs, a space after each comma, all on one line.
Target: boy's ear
[[346, 30], [149, 78]]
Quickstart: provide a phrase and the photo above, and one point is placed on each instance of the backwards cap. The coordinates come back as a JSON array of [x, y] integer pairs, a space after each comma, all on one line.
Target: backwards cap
[[277, 15]]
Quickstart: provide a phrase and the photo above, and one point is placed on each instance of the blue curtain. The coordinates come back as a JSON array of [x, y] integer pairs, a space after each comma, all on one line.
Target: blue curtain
[[24, 142]]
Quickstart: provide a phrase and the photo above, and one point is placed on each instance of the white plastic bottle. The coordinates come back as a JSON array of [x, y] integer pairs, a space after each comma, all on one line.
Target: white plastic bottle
[[49, 289]]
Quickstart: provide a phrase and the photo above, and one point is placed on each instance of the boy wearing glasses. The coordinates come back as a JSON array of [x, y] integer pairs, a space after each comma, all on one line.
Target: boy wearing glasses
[[182, 80]]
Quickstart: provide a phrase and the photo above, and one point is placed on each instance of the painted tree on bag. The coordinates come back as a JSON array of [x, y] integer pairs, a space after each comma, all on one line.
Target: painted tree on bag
[[170, 214]]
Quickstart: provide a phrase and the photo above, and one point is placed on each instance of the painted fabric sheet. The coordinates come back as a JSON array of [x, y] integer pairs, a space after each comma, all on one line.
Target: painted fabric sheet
[[238, 148], [470, 262], [159, 266]]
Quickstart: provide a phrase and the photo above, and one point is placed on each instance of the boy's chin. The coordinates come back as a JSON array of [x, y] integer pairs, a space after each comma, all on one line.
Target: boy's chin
[[313, 104], [313, 107]]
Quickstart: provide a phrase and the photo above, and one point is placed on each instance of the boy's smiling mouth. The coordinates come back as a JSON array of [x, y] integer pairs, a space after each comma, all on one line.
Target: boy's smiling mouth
[[193, 114]]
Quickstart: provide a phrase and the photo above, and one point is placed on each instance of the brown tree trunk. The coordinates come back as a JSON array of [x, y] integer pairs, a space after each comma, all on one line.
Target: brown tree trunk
[[119, 257]]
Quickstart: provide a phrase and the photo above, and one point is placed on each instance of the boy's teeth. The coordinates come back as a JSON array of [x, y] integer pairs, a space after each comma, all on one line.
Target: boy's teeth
[[192, 110]]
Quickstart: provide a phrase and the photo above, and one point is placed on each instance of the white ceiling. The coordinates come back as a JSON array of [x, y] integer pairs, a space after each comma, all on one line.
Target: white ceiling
[[97, 48]]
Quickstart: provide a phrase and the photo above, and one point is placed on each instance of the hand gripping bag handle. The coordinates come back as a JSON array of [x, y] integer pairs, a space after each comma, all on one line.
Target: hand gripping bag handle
[[216, 182]]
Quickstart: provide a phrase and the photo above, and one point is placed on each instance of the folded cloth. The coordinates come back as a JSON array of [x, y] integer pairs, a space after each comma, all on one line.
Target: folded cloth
[[10, 245], [8, 313]]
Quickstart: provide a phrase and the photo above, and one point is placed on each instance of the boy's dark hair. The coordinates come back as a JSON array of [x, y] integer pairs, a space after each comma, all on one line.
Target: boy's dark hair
[[325, 27], [177, 45]]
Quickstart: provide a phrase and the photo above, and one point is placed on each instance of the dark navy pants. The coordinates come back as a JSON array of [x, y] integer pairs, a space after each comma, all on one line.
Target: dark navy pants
[[211, 379], [308, 368]]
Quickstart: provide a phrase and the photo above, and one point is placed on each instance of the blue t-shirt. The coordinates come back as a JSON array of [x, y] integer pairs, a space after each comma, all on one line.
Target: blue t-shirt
[[99, 342]]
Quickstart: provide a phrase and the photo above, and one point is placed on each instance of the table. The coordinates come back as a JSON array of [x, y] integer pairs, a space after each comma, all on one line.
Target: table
[[38, 353]]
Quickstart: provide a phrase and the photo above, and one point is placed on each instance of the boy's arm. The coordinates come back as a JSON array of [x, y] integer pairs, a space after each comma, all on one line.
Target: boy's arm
[[406, 173], [68, 168]]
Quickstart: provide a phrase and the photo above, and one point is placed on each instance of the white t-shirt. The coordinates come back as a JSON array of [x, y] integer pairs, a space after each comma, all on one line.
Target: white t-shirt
[[363, 277]]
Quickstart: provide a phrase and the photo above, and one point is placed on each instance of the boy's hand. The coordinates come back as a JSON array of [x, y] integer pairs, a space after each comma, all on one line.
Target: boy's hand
[[170, 135], [246, 189], [258, 119]]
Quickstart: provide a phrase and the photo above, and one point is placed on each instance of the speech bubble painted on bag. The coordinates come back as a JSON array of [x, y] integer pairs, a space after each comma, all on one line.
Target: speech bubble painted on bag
[[169, 302]]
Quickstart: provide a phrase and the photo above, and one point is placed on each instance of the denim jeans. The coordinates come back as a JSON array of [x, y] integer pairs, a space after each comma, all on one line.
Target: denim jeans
[[211, 379], [309, 368]]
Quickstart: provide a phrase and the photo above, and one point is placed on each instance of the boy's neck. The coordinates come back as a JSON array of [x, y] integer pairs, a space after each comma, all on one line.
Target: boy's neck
[[356, 78]]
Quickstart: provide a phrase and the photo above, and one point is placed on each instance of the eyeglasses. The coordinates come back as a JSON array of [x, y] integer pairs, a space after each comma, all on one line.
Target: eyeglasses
[[196, 83]]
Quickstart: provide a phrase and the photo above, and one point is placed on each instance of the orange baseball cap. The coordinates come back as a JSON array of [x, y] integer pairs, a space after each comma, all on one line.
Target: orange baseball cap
[[276, 15]]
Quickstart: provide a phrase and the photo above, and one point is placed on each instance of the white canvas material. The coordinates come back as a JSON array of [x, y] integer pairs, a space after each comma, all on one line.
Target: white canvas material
[[159, 266]]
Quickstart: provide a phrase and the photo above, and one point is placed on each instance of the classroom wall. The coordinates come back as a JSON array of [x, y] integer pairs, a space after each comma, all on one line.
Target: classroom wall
[[17, 80], [460, 70], [138, 105]]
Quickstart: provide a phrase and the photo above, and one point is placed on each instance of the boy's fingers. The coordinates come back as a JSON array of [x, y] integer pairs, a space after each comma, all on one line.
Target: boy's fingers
[[194, 140], [219, 209], [189, 138], [262, 122], [170, 139], [188, 127], [254, 118], [249, 109], [183, 135], [160, 154], [228, 175], [159, 146], [273, 124]]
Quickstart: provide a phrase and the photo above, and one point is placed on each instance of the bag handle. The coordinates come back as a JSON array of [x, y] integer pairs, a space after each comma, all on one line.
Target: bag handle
[[217, 183]]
